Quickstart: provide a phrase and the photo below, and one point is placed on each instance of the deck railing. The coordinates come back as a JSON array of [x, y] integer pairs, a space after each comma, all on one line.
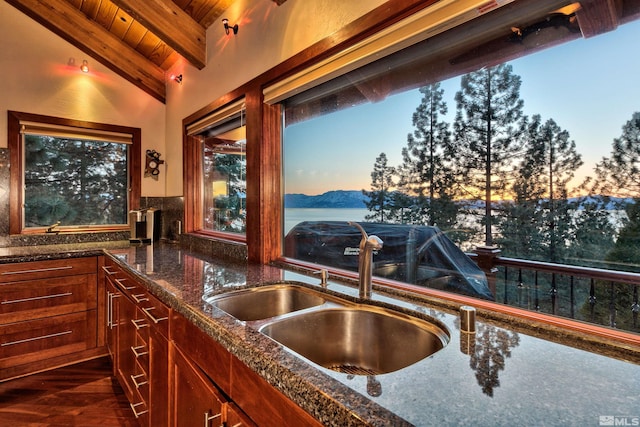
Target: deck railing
[[603, 297]]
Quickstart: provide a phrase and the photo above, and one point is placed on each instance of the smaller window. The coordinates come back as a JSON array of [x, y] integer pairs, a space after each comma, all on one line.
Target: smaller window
[[72, 175], [223, 161]]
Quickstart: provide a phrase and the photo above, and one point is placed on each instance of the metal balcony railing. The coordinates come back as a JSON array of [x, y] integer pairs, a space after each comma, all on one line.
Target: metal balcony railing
[[603, 297]]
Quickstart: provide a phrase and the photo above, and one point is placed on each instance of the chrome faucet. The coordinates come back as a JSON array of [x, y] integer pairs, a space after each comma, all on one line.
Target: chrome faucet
[[365, 265]]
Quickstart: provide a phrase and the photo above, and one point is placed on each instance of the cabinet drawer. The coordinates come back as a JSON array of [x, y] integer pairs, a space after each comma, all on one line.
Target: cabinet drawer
[[156, 312], [45, 269], [20, 301], [28, 342], [203, 350]]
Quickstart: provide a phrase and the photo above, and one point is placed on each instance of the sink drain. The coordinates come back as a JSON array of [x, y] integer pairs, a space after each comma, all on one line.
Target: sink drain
[[353, 370]]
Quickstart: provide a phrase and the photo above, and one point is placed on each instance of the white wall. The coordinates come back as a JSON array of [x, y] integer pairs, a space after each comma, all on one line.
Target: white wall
[[36, 78], [268, 35]]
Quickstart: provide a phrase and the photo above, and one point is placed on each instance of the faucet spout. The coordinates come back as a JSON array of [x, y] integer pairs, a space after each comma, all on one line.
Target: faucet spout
[[365, 265], [52, 228]]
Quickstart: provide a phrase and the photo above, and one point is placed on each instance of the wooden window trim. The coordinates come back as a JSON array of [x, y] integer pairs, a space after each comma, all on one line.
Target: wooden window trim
[[16, 161]]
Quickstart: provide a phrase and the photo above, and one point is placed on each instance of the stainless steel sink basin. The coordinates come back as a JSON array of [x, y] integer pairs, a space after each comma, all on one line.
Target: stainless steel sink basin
[[267, 301], [358, 340]]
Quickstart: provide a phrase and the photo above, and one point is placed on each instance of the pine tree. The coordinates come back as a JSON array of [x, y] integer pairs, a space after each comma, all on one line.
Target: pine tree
[[488, 127], [593, 235], [380, 196], [74, 181], [619, 174], [426, 174], [553, 158]]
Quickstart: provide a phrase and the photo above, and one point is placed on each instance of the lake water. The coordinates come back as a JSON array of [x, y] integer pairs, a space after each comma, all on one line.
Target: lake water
[[293, 216]]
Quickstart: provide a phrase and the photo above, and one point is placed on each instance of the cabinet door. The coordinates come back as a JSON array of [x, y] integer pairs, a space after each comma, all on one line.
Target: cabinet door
[[195, 401], [125, 367], [237, 418], [158, 379], [30, 299], [113, 297], [36, 340], [264, 403]]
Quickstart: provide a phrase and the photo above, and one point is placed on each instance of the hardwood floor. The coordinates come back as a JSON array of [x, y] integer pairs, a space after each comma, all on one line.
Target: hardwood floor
[[82, 395]]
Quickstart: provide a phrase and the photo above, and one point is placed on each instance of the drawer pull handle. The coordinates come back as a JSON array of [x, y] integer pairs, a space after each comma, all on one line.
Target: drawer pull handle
[[66, 294], [139, 323], [135, 378], [109, 272], [208, 418], [128, 288], [139, 298], [139, 351], [135, 410], [155, 319], [109, 310], [110, 321], [6, 344], [37, 270]]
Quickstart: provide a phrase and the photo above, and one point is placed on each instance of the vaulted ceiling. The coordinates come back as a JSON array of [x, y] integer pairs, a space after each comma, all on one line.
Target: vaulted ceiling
[[139, 40], [142, 39]]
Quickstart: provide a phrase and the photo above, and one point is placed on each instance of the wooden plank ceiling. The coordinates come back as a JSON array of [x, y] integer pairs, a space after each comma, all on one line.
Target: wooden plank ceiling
[[139, 40]]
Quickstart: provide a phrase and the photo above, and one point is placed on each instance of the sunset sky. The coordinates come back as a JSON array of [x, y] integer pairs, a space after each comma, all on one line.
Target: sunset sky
[[588, 86]]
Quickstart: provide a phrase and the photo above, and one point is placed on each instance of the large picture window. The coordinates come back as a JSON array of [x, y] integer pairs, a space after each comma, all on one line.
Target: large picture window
[[514, 133], [72, 175]]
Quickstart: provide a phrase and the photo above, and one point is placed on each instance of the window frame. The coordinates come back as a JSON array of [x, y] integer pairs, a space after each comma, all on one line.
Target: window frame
[[16, 156], [194, 171]]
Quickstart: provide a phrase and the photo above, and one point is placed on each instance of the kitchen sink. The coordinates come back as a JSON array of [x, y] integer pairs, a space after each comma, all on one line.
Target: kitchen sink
[[359, 340], [267, 301]]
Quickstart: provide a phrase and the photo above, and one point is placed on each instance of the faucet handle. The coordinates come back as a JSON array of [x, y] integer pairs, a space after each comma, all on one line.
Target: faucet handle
[[324, 275], [374, 242]]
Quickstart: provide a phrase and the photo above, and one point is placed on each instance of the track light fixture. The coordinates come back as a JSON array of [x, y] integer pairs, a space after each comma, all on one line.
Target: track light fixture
[[176, 78], [228, 27], [85, 66]]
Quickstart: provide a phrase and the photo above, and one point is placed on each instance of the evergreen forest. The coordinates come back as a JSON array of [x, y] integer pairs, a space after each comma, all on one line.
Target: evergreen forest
[[497, 177]]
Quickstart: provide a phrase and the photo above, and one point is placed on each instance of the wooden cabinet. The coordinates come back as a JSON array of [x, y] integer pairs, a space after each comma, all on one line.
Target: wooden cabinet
[[251, 398], [137, 331], [264, 403], [195, 400], [176, 375], [48, 314]]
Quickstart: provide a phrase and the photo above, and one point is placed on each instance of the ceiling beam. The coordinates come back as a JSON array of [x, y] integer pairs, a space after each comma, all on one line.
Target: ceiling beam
[[72, 25], [172, 25], [598, 16], [214, 12]]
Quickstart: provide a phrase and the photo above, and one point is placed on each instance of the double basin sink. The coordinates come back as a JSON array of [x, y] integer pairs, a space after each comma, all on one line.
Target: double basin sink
[[337, 334]]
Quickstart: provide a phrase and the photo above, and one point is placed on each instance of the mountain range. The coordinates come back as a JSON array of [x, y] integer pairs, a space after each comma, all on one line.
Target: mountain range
[[336, 199], [354, 199]]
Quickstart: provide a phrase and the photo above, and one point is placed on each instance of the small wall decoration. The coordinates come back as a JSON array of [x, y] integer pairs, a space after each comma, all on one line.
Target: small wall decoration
[[152, 163]]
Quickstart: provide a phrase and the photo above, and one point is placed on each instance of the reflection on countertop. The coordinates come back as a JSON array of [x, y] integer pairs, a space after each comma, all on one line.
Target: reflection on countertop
[[501, 375]]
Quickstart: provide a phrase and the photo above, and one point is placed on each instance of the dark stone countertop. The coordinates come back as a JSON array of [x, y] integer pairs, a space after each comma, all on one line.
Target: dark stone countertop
[[506, 376]]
